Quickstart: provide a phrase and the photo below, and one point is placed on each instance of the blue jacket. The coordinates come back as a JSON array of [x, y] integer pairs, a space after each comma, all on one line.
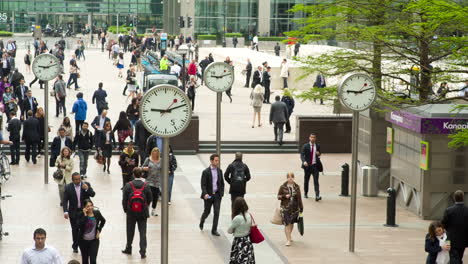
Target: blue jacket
[[79, 108], [433, 248]]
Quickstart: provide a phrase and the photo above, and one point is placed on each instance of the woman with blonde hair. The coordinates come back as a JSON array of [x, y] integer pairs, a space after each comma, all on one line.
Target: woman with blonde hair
[[291, 205], [257, 102], [40, 117], [64, 162], [152, 166]]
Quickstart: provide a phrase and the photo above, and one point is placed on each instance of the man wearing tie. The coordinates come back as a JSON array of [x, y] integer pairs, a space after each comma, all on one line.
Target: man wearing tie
[[257, 77], [20, 93], [312, 165], [74, 195], [212, 185], [320, 83], [30, 103]]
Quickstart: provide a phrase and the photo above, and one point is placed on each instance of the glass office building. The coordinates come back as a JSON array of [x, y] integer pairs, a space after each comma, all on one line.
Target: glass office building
[[21, 14], [280, 19]]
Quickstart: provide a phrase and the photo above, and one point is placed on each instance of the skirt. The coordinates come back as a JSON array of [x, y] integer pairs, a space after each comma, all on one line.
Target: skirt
[[120, 66], [107, 150], [257, 109], [131, 88], [242, 251], [289, 216]]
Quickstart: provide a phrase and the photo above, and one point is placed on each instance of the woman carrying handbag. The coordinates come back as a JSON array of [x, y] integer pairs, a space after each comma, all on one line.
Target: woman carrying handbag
[[291, 205], [242, 251]]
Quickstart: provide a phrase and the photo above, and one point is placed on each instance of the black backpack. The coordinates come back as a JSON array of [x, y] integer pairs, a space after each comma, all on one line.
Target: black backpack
[[238, 178]]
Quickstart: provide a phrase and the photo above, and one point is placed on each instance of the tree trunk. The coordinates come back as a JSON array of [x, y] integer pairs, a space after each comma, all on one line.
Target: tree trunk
[[377, 64]]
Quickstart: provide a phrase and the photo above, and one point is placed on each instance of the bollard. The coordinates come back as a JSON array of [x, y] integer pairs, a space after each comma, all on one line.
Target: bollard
[[345, 180], [391, 208]]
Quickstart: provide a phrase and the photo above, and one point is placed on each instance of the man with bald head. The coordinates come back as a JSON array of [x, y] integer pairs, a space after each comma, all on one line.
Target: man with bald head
[[237, 175]]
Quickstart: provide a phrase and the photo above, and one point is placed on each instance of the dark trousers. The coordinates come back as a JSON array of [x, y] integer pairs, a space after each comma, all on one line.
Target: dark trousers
[[83, 155], [456, 255], [278, 129], [267, 93], [131, 222], [214, 201], [15, 150], [247, 78], [126, 177], [60, 104], [78, 125], [155, 191], [193, 102], [89, 250], [142, 154], [73, 79], [74, 227], [31, 150], [311, 170], [288, 125], [285, 82]]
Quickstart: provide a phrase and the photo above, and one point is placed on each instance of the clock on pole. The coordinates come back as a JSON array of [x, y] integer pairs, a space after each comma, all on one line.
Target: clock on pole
[[165, 111], [46, 67], [357, 92]]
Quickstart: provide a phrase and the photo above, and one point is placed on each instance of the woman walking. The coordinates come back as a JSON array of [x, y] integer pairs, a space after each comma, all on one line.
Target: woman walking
[[73, 79], [242, 251], [108, 143], [172, 168], [124, 129], [120, 64], [229, 62], [291, 205], [152, 166], [191, 87], [436, 245], [133, 111], [257, 103], [64, 162], [40, 117], [131, 82], [66, 124], [27, 61], [90, 224], [284, 74]]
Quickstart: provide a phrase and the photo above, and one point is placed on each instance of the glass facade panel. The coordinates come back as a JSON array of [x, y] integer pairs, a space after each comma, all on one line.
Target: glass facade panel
[[281, 19], [143, 13], [241, 16]]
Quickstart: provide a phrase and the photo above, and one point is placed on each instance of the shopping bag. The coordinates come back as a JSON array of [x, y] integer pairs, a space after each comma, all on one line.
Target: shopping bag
[[277, 219]]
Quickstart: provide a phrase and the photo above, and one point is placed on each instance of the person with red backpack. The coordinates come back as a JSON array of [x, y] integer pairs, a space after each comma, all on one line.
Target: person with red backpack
[[135, 199]]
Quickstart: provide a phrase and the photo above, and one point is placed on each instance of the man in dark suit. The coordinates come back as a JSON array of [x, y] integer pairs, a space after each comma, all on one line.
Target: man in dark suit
[[133, 217], [31, 136], [278, 117], [320, 83], [30, 103], [141, 136], [14, 127], [73, 197], [237, 175], [248, 73], [16, 77], [20, 94], [266, 84], [58, 144], [455, 221], [212, 185], [98, 125], [310, 157], [203, 64], [257, 77]]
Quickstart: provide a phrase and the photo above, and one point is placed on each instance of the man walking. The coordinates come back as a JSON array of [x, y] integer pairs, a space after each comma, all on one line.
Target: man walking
[[248, 73], [99, 97], [58, 144], [80, 108], [141, 135], [257, 77], [14, 127], [20, 93], [455, 221], [128, 161], [277, 49], [289, 101], [31, 136], [73, 197], [296, 48], [135, 198], [40, 253], [278, 117], [60, 95], [320, 83], [98, 125], [30, 103], [266, 84], [212, 185], [310, 157], [83, 143], [237, 175]]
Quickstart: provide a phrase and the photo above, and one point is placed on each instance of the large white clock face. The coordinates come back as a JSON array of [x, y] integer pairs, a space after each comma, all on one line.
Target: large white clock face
[[357, 91], [165, 110], [46, 67], [219, 76]]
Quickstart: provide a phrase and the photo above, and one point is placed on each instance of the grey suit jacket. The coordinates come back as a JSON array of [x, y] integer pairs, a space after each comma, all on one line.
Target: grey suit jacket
[[278, 112]]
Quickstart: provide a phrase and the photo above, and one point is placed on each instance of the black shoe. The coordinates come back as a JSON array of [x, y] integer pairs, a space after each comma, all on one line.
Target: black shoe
[[75, 250], [143, 255], [215, 233], [305, 196], [201, 225], [127, 250], [34, 161], [280, 143], [104, 169], [289, 131], [318, 198]]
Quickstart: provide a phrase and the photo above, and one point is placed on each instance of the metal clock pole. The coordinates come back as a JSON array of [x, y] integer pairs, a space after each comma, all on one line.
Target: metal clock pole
[[218, 125], [165, 203], [46, 132], [352, 222]]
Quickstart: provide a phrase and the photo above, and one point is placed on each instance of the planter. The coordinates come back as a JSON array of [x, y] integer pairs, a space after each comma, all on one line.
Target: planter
[[240, 42], [207, 43]]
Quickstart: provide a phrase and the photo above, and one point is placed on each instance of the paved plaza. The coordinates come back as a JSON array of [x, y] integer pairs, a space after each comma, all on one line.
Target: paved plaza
[[35, 204]]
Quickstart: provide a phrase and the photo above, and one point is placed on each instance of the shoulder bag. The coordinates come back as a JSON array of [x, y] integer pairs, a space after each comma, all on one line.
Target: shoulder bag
[[255, 234], [277, 219]]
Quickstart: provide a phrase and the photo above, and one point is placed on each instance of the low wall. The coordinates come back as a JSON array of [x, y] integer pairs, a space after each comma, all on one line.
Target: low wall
[[187, 142], [333, 132]]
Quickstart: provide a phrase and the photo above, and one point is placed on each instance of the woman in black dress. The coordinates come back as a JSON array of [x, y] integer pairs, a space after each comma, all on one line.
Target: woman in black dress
[[40, 117], [291, 204], [108, 143]]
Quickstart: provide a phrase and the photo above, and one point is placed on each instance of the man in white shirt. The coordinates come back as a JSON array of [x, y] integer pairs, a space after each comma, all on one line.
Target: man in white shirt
[[255, 42], [175, 69], [40, 253]]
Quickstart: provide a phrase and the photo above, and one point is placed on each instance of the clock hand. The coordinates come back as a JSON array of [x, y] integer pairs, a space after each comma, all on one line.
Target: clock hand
[[47, 66], [158, 110], [179, 106], [367, 89], [215, 76], [167, 110], [353, 91], [225, 75]]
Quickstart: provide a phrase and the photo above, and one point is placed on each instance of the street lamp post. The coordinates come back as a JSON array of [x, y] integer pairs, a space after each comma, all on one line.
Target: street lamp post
[[183, 49]]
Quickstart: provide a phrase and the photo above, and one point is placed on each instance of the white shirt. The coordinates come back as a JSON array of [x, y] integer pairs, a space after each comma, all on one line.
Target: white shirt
[[47, 255], [443, 255], [62, 142], [175, 69], [116, 48], [255, 39], [314, 155]]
